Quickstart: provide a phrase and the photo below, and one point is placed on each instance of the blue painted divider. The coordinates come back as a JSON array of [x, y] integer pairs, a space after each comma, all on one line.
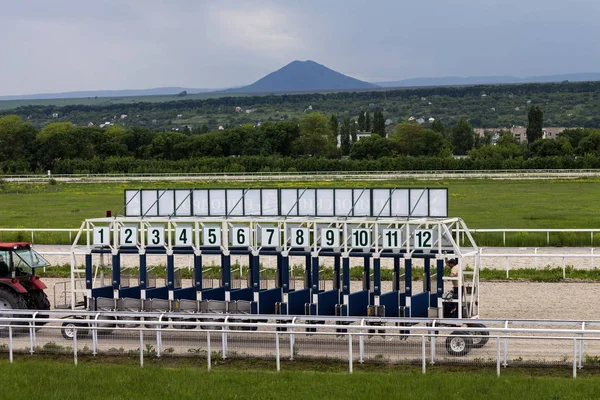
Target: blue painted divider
[[214, 294], [105, 291], [185, 293], [267, 300], [419, 305], [131, 292], [358, 303], [390, 301], [241, 294], [296, 301], [158, 293], [327, 302]]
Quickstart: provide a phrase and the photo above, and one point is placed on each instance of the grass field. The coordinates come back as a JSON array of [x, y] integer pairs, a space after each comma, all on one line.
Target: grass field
[[481, 203], [30, 379]]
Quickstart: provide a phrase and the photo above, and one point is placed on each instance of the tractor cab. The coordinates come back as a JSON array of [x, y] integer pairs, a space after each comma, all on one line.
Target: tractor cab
[[19, 261]]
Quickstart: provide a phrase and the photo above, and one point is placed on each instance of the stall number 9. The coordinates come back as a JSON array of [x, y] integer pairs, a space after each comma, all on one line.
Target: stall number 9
[[423, 239], [330, 238]]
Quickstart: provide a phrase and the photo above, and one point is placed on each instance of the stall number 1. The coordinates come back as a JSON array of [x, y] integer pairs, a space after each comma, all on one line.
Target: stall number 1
[[330, 238], [269, 237], [240, 237], [300, 237], [156, 236], [101, 236], [423, 239], [128, 236], [361, 238], [212, 236], [392, 238]]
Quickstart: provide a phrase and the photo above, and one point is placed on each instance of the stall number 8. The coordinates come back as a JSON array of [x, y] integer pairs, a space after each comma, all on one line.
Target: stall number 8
[[423, 239]]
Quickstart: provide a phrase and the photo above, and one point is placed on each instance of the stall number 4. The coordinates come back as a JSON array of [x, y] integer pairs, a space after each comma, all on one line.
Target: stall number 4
[[423, 239]]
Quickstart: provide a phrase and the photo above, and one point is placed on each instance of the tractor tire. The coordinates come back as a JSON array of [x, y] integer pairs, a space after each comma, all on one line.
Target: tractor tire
[[39, 301], [458, 344], [480, 338], [10, 300], [69, 328]]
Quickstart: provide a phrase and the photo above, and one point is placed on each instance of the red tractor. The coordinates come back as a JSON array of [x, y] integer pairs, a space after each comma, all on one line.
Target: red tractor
[[20, 288]]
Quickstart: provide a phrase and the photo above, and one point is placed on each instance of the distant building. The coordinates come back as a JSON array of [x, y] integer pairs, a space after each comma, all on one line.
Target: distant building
[[90, 124], [519, 132], [431, 120], [411, 118], [388, 122], [123, 116], [221, 128], [54, 115], [238, 109], [359, 135], [421, 120]]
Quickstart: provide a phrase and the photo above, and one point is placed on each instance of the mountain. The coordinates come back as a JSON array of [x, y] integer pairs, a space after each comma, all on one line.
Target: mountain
[[489, 80], [303, 76], [164, 91]]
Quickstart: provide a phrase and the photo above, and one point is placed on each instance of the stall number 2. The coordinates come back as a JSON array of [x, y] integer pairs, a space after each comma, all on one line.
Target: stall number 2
[[128, 236], [423, 239]]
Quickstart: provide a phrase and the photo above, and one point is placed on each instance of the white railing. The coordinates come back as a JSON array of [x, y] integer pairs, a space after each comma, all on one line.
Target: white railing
[[316, 175], [500, 342], [31, 231]]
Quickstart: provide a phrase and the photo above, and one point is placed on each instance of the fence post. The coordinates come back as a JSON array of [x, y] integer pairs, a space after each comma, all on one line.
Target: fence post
[[277, 351], [592, 258], [10, 344], [292, 340], [361, 344], [224, 338], [574, 358], [75, 345], [548, 238], [423, 361], [507, 267], [563, 268], [208, 350], [498, 356], [141, 348], [504, 238], [350, 353]]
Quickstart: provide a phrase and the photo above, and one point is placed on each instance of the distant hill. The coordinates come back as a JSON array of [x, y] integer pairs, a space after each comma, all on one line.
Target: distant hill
[[489, 80], [108, 93], [303, 76]]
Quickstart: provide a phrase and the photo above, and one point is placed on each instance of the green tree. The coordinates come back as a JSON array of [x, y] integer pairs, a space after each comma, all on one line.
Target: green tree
[[17, 139], [333, 124], [361, 121], [368, 122], [463, 137], [316, 137], [438, 126], [535, 124], [371, 147], [346, 135], [354, 131], [379, 123], [413, 139]]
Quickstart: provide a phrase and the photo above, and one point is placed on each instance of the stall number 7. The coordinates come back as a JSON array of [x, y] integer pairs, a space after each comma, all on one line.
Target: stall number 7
[[270, 237], [211, 236], [423, 239], [300, 237], [128, 236], [240, 237], [183, 236]]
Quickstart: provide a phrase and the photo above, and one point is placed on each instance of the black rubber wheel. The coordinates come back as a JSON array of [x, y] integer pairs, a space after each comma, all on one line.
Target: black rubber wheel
[[10, 300], [39, 301], [480, 338], [68, 330], [459, 343]]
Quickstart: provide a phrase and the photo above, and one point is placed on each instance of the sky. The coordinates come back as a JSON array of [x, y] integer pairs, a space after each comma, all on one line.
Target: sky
[[71, 45]]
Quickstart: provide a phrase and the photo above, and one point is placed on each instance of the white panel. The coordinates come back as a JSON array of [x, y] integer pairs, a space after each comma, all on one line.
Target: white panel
[[381, 203], [184, 235], [217, 202], [361, 238], [149, 203], [240, 236], [419, 203], [101, 236], [288, 202], [423, 239], [270, 202], [269, 236], [166, 202], [155, 235], [128, 236], [299, 237], [438, 202], [306, 202], [200, 202], [362, 202], [252, 202], [330, 237], [343, 202], [325, 202], [132, 203], [235, 202], [400, 203], [211, 236], [183, 203], [391, 238]]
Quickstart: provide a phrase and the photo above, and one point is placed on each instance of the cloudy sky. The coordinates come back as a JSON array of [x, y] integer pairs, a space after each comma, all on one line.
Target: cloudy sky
[[67, 45]]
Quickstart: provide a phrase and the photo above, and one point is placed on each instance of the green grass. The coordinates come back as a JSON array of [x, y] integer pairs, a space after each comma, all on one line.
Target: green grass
[[481, 203], [30, 379]]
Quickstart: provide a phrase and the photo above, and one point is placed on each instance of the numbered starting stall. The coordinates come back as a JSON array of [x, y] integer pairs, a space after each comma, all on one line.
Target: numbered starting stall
[[334, 232]]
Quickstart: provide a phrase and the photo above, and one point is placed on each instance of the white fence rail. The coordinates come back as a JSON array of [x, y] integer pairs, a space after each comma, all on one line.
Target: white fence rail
[[563, 344]]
